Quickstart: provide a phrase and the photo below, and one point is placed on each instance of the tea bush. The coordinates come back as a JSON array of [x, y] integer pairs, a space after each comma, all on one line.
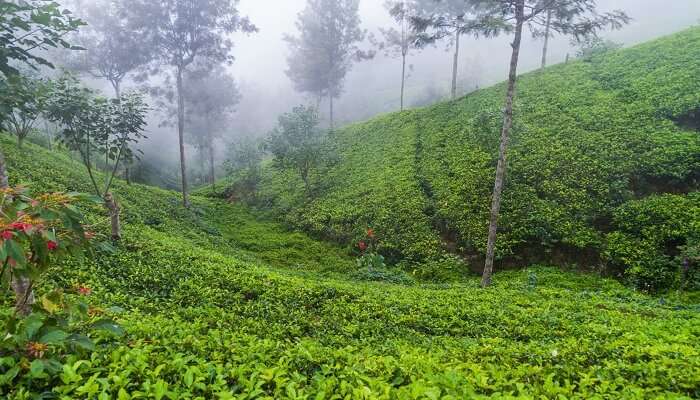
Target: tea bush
[[255, 311], [590, 136]]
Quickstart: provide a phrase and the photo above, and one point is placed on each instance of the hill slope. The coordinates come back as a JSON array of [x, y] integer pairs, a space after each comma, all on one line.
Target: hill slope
[[215, 309], [592, 140]]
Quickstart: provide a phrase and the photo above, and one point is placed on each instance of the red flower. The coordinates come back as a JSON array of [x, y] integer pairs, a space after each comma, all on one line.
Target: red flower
[[362, 245], [84, 290], [51, 245], [370, 233], [7, 235], [21, 226]]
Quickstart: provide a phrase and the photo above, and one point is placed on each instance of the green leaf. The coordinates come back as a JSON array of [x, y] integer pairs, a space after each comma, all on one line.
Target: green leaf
[[15, 252], [108, 326], [81, 341], [54, 336]]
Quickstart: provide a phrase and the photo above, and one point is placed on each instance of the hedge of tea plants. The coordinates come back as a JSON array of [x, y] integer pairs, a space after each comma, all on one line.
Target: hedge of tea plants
[[589, 137], [215, 305]]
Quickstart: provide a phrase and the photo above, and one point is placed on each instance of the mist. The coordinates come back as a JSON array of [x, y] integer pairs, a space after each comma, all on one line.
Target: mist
[[372, 87]]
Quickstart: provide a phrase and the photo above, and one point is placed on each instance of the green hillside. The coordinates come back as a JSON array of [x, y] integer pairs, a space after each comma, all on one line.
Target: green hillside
[[604, 152], [220, 304]]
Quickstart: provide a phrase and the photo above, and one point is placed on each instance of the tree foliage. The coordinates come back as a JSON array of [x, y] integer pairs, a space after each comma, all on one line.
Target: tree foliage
[[112, 49], [23, 100], [96, 126], [180, 33], [298, 142], [325, 48], [29, 26]]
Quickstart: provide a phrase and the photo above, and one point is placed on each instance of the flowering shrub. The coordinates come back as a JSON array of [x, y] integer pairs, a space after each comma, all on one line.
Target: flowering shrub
[[369, 258], [34, 232]]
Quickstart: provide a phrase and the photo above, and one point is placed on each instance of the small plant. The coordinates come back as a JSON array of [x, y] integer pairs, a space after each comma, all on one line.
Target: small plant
[[369, 258]]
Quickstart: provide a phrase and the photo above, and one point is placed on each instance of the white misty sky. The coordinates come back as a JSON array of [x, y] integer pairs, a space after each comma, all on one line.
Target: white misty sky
[[261, 58]]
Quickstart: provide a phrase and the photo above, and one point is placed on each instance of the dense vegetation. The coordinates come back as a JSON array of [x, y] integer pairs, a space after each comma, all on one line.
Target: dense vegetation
[[217, 304], [603, 171]]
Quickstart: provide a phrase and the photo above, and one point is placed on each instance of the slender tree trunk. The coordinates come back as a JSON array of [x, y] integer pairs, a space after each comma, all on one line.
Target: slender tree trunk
[[48, 135], [3, 172], [507, 126], [546, 38], [332, 125], [181, 136], [24, 294], [455, 65], [22, 286], [113, 209], [403, 78], [212, 171]]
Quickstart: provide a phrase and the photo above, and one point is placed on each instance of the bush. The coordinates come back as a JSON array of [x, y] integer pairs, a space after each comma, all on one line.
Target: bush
[[652, 239]]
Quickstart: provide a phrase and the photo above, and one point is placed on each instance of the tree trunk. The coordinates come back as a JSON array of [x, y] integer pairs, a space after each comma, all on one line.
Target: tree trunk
[[24, 295], [507, 126], [332, 125], [455, 65], [127, 174], [212, 171], [181, 136], [546, 38], [403, 78], [48, 135], [3, 172], [113, 209]]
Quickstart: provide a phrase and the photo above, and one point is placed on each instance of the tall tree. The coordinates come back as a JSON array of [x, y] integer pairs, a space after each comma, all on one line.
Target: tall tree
[[182, 32], [326, 48], [435, 20], [211, 97], [547, 35], [577, 18], [399, 41], [113, 51]]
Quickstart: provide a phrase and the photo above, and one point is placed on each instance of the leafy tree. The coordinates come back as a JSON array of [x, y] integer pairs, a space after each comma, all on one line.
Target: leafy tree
[[399, 42], [211, 99], [244, 160], [326, 48], [591, 46], [30, 25], [22, 102], [439, 19], [297, 142], [113, 50], [577, 18], [181, 32], [94, 125]]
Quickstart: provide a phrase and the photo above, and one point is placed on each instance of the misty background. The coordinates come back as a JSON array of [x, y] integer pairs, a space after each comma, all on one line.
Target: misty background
[[372, 87]]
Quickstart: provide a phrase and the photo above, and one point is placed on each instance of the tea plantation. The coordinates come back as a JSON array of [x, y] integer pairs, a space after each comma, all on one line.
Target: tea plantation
[[222, 302], [605, 151], [218, 303]]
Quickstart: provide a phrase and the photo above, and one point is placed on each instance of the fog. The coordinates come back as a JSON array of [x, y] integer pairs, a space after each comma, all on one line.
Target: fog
[[372, 87]]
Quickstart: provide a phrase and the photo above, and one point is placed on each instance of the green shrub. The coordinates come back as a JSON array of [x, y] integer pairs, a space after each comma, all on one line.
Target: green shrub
[[589, 137], [653, 237]]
